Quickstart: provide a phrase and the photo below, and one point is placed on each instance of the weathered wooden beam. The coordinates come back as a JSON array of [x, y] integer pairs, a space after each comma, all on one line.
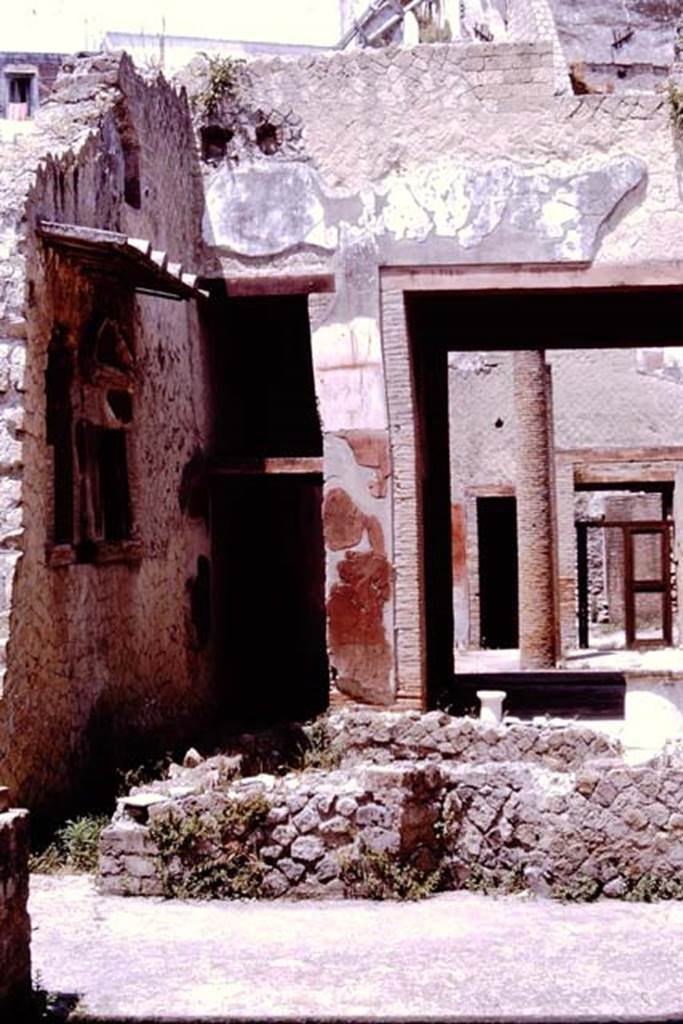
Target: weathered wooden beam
[[283, 284], [289, 466]]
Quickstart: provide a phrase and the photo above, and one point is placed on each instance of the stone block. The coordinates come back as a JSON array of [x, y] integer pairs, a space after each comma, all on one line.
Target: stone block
[[307, 849]]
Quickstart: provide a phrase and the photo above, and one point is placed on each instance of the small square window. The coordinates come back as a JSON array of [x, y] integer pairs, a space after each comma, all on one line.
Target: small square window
[[19, 90]]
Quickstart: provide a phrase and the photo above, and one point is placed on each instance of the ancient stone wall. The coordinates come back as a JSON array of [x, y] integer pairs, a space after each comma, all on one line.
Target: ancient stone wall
[[550, 808], [362, 736], [15, 926], [104, 638], [482, 159], [605, 828]]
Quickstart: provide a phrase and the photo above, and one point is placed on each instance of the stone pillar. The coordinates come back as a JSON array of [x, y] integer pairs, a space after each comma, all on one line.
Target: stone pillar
[[535, 527], [15, 926]]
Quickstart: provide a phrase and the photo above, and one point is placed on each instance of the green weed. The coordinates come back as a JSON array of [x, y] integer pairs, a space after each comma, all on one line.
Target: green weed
[[653, 888], [579, 890], [378, 876], [74, 847], [212, 856], [318, 750], [222, 85]]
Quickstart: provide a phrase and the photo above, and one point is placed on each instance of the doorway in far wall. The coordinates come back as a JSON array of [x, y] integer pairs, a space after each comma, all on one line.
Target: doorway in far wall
[[498, 597]]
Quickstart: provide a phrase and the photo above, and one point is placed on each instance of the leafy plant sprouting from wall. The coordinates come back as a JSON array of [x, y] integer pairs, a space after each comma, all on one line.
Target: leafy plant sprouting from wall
[[222, 85], [212, 856], [379, 876]]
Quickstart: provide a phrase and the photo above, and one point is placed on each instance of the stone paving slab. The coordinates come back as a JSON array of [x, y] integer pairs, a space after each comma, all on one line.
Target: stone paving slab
[[455, 957]]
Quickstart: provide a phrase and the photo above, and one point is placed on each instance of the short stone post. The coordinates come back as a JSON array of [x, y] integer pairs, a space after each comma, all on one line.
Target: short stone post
[[491, 710], [535, 526], [15, 925]]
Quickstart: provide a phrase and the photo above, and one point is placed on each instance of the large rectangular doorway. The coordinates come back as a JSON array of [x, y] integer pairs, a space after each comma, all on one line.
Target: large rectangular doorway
[[266, 512]]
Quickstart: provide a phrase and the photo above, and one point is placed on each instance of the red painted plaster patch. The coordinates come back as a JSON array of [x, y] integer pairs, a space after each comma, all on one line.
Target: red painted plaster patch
[[371, 450], [358, 645], [343, 521], [458, 543]]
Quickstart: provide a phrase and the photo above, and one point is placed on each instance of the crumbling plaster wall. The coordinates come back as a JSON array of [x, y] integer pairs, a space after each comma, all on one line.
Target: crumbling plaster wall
[[481, 159], [101, 656]]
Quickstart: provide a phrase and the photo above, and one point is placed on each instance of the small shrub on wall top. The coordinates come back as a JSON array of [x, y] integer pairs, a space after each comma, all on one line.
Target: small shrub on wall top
[[222, 85]]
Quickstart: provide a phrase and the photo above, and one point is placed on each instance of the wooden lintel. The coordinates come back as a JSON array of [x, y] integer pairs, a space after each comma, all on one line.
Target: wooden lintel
[[625, 473], [291, 466], [665, 274], [636, 525], [283, 284], [491, 491], [587, 456]]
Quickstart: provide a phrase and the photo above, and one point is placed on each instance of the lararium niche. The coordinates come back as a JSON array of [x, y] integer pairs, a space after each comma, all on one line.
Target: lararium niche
[[90, 388]]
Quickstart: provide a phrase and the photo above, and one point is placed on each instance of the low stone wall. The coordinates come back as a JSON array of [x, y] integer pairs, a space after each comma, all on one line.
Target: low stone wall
[[517, 806], [381, 737], [15, 927], [312, 823], [605, 828]]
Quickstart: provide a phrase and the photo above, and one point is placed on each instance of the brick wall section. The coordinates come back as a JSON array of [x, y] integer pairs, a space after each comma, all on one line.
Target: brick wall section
[[15, 926], [408, 562], [534, 20]]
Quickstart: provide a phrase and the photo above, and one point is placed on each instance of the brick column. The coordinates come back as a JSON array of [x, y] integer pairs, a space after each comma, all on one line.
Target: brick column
[[535, 527]]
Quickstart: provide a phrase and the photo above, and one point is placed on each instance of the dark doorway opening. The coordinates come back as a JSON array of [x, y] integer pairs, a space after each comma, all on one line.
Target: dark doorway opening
[[266, 512], [262, 377], [270, 614], [498, 595]]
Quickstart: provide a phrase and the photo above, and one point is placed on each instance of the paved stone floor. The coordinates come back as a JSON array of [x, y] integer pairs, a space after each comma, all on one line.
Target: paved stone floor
[[455, 957], [600, 658]]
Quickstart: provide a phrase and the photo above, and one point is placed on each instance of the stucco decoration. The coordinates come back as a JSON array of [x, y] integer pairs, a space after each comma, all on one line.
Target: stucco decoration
[[496, 213], [503, 212], [268, 209]]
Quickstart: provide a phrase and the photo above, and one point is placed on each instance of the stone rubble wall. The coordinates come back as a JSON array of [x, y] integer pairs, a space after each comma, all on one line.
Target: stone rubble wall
[[15, 925], [605, 824], [552, 807], [382, 737]]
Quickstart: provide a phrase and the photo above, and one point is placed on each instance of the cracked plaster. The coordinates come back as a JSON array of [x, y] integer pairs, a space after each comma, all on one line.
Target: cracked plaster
[[496, 212]]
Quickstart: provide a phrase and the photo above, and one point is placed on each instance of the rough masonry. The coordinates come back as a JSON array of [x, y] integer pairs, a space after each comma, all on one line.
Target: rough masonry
[[15, 925], [550, 807]]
